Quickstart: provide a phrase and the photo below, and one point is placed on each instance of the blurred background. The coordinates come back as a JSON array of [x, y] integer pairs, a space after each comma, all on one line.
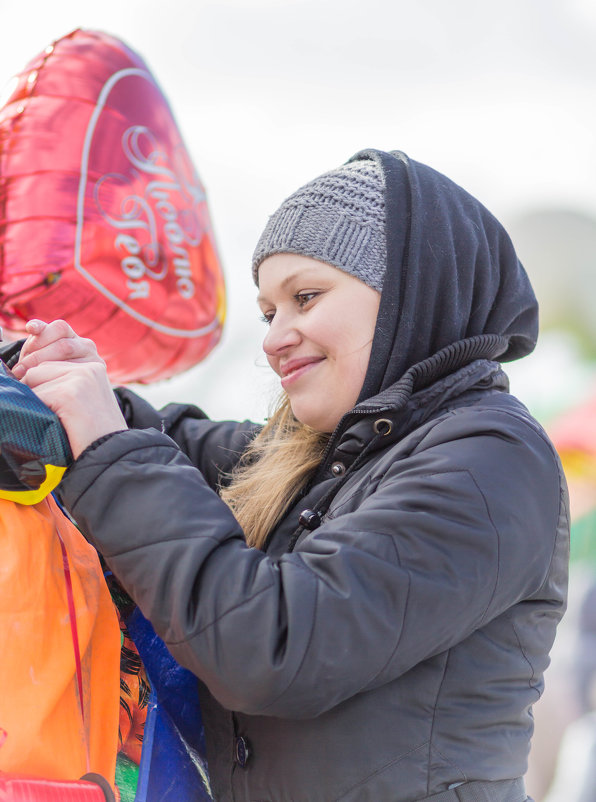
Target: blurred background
[[500, 97]]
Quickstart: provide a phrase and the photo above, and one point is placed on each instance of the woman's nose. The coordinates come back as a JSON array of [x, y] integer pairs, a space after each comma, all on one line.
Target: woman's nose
[[282, 334]]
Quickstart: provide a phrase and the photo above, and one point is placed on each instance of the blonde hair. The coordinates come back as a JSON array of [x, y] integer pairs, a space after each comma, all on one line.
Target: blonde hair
[[272, 471]]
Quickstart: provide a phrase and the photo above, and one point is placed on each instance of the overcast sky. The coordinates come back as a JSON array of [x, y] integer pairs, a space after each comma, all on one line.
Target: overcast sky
[[270, 93]]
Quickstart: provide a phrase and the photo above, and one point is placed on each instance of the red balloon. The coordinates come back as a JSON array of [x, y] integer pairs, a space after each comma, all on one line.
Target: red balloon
[[104, 221]]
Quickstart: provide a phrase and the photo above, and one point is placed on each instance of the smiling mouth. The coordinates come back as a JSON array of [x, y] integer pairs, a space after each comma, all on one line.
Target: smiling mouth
[[296, 368]]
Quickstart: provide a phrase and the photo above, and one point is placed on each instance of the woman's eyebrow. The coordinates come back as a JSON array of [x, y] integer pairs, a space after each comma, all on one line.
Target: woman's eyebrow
[[287, 280]]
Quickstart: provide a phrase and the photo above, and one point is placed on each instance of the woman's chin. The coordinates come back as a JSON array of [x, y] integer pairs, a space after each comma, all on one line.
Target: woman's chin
[[314, 418]]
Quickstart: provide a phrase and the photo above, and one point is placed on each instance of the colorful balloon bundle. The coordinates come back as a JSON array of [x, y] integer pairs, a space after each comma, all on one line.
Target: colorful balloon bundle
[[104, 224]]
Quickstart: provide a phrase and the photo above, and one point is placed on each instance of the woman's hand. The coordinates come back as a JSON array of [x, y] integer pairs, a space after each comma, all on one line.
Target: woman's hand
[[66, 373]]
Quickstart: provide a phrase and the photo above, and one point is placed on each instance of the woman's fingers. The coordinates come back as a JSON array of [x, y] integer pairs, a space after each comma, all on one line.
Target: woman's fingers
[[42, 334], [81, 395], [68, 375], [35, 326], [53, 342]]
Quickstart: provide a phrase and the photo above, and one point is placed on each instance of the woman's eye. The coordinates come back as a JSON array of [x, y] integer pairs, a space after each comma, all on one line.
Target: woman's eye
[[302, 298], [267, 317]]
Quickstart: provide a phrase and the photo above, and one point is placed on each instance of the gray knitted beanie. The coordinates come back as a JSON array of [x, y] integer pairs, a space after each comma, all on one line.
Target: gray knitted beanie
[[338, 218]]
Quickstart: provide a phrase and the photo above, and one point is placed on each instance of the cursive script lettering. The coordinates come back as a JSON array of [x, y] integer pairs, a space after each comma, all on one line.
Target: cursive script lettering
[[158, 220]]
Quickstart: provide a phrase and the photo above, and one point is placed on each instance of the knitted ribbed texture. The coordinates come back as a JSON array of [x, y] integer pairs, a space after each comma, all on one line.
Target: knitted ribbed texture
[[338, 218]]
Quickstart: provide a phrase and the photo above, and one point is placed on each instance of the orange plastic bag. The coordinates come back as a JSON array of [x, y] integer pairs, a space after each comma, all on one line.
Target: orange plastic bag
[[59, 649]]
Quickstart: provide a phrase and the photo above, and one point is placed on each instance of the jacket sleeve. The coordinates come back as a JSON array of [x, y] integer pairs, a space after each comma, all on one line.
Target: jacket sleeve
[[213, 447], [442, 542], [10, 351]]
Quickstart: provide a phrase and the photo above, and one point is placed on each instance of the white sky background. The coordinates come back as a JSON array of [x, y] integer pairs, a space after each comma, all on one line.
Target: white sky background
[[269, 93]]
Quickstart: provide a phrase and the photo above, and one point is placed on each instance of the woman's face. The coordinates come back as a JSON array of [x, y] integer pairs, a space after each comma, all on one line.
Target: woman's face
[[321, 325]]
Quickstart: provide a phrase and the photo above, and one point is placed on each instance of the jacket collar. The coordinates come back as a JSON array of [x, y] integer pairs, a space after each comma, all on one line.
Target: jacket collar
[[398, 410], [382, 421]]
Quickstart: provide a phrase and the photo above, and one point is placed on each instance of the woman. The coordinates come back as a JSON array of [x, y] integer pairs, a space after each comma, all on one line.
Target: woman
[[368, 587]]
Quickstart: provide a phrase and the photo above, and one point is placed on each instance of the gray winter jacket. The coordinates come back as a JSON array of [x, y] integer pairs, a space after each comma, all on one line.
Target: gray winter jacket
[[390, 641], [398, 649]]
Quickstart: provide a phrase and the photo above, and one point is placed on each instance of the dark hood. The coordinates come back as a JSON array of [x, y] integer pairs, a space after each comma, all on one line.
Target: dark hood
[[453, 283]]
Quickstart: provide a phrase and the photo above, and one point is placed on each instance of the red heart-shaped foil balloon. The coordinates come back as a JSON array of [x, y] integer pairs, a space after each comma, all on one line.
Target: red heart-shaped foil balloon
[[104, 221]]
